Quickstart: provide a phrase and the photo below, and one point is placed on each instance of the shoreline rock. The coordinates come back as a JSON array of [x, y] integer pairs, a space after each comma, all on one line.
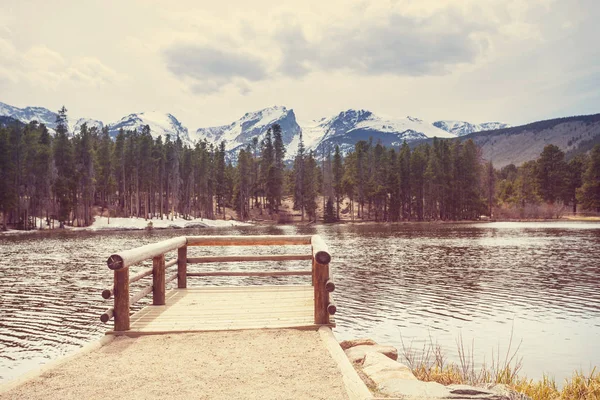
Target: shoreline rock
[[377, 365]]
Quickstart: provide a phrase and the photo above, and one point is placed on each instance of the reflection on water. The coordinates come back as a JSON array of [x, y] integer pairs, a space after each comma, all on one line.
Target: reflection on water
[[395, 283]]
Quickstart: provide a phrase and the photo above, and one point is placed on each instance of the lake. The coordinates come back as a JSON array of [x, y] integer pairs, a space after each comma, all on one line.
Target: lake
[[400, 284]]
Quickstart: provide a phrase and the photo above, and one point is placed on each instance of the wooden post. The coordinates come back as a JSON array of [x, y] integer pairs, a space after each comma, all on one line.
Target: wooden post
[[182, 267], [158, 280], [121, 293], [320, 278]]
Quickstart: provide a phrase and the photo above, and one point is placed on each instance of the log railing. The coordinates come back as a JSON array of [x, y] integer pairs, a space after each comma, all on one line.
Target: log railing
[[324, 306]]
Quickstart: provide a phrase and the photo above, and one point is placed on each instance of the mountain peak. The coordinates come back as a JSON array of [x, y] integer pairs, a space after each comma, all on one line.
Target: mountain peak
[[250, 125], [161, 124]]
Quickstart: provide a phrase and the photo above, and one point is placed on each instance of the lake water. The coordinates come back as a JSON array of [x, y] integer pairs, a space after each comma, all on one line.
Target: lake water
[[408, 283]]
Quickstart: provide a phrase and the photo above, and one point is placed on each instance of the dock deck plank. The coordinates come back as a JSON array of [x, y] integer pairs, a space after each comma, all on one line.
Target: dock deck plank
[[227, 308]]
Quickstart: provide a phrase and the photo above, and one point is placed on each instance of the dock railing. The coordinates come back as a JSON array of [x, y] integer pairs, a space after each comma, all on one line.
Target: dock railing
[[119, 263]]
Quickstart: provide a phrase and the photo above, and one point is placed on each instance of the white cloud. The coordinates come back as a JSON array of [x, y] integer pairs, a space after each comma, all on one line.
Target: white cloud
[[209, 62], [209, 68], [48, 69]]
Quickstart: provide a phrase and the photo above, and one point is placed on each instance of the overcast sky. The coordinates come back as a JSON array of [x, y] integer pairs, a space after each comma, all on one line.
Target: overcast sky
[[209, 62]]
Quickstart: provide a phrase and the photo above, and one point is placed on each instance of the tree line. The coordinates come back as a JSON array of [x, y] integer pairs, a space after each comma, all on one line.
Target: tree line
[[70, 179], [550, 182], [64, 178]]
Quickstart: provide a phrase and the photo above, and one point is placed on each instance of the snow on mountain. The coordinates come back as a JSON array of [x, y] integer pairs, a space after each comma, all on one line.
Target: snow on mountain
[[490, 126], [91, 123], [253, 124], [160, 125], [343, 129], [461, 128], [348, 127], [28, 114], [45, 116]]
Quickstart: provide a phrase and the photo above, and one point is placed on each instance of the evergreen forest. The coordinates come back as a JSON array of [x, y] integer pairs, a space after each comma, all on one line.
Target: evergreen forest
[[70, 179]]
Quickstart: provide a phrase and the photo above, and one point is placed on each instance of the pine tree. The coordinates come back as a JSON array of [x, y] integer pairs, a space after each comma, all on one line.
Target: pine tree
[[267, 170], [489, 186], [589, 195], [338, 174], [104, 165], [278, 168], [64, 186], [220, 178], [471, 204], [349, 180], [43, 172], [526, 184], [7, 189], [361, 149], [574, 180], [242, 187], [329, 212], [418, 165], [378, 182], [432, 189], [551, 174], [394, 187], [299, 177], [404, 179], [84, 164], [310, 185]]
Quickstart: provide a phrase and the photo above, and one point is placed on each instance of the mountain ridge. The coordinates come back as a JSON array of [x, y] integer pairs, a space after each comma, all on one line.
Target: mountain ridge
[[499, 142], [343, 128]]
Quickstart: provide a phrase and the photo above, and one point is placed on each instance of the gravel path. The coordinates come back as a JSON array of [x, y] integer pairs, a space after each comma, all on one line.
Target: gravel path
[[253, 364]]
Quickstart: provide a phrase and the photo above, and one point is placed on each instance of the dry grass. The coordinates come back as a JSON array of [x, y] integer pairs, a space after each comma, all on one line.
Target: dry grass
[[429, 364], [580, 386]]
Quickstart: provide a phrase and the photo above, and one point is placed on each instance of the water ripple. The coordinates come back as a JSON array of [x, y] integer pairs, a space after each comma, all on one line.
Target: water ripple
[[395, 283]]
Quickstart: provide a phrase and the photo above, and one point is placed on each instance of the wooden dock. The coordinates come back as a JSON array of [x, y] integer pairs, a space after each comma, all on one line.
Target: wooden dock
[[214, 308], [214, 342]]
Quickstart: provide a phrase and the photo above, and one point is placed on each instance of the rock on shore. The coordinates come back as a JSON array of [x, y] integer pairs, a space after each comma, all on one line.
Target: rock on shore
[[379, 367]]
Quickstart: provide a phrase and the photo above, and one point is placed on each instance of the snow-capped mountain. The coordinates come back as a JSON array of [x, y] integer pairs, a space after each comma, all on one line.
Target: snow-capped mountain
[[28, 114], [348, 127], [343, 129], [91, 123], [45, 116], [461, 128], [160, 125], [253, 124]]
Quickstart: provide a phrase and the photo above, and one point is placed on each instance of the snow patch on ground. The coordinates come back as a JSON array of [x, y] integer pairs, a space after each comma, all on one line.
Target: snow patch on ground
[[103, 223], [140, 223]]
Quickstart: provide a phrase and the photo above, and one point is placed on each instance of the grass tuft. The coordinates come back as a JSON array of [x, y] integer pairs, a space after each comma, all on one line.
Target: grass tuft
[[429, 364]]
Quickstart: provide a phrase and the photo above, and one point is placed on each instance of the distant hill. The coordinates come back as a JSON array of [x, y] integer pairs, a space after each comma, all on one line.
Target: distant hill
[[518, 144]]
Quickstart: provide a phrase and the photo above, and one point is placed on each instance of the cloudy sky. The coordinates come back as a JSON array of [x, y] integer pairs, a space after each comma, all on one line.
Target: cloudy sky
[[209, 62]]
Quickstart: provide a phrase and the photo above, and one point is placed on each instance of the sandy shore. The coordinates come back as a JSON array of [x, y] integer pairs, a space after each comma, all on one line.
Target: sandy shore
[[254, 364]]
